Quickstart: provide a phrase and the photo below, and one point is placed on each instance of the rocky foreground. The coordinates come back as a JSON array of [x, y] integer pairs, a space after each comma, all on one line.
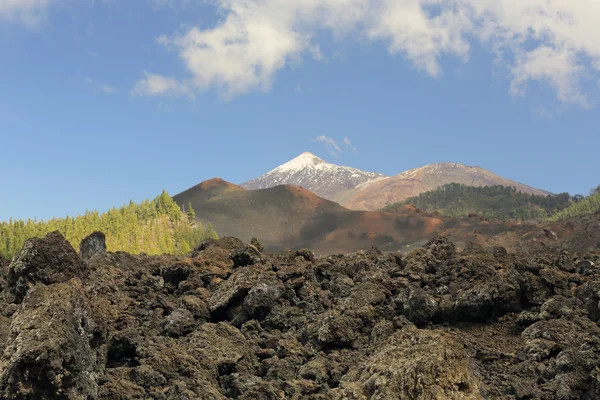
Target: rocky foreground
[[229, 321]]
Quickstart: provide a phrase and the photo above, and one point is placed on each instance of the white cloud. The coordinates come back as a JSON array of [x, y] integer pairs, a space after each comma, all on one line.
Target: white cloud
[[156, 85], [550, 41], [350, 145], [559, 69], [28, 12], [330, 145], [93, 85]]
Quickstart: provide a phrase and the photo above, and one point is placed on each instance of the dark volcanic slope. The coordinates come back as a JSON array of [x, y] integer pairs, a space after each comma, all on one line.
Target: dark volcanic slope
[[292, 217], [276, 215], [228, 321]]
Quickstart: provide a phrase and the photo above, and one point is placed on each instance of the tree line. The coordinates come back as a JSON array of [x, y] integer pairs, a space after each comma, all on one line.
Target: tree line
[[493, 202], [157, 226], [584, 205]]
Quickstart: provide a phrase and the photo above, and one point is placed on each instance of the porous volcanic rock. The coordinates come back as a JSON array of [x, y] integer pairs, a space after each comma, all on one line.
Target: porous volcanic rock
[[45, 260], [92, 245], [54, 348], [414, 364], [435, 323]]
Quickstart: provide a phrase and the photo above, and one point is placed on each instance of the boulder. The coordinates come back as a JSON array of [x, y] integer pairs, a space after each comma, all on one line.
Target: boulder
[[416, 305], [92, 245], [587, 267], [261, 298], [54, 346], [441, 248], [413, 364], [46, 260], [249, 255], [179, 323], [225, 243]]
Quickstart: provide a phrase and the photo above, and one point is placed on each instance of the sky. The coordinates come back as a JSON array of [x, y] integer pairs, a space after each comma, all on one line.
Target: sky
[[106, 101]]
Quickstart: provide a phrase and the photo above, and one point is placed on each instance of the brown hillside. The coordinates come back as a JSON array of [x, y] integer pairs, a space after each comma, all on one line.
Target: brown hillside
[[292, 217], [276, 215], [420, 180]]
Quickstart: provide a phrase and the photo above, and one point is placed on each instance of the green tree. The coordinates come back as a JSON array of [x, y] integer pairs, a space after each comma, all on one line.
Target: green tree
[[152, 227], [494, 202], [191, 214]]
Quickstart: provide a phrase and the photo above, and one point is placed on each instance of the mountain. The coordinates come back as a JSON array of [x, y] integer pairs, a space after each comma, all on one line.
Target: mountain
[[275, 215], [368, 191], [327, 180], [376, 195], [292, 217]]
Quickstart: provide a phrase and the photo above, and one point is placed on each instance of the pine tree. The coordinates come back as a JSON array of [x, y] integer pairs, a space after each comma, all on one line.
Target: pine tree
[[191, 214], [152, 227]]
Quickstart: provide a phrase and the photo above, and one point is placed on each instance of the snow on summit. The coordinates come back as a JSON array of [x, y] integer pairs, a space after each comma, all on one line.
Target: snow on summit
[[312, 173], [304, 160]]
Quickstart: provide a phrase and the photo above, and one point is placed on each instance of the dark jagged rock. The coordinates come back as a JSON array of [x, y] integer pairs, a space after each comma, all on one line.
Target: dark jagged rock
[[307, 254], [92, 245], [249, 255], [416, 305], [47, 260], [413, 364], [54, 350], [225, 243], [441, 248], [587, 267], [179, 323], [436, 323]]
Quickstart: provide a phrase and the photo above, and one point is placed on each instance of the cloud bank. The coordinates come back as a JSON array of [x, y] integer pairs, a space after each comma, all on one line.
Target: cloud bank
[[549, 41], [28, 12]]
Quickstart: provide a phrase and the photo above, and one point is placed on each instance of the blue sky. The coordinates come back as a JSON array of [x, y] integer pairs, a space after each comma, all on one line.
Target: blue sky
[[106, 101]]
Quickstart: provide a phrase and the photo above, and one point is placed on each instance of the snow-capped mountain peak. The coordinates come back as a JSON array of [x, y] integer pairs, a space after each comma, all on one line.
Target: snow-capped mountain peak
[[311, 172], [304, 160]]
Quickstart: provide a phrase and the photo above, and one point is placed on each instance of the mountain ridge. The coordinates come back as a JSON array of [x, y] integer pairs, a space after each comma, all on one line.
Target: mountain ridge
[[426, 178], [313, 173], [369, 191]]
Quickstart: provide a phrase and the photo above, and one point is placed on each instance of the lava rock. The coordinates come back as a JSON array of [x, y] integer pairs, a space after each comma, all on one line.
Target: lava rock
[[54, 347], [414, 364], [416, 305], [225, 243], [92, 245], [249, 255], [233, 290], [47, 260], [261, 298], [338, 330], [179, 323], [587, 267], [441, 248]]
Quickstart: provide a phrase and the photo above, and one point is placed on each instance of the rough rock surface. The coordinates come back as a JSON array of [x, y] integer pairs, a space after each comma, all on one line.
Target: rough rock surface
[[45, 260], [92, 245], [436, 323], [54, 347]]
